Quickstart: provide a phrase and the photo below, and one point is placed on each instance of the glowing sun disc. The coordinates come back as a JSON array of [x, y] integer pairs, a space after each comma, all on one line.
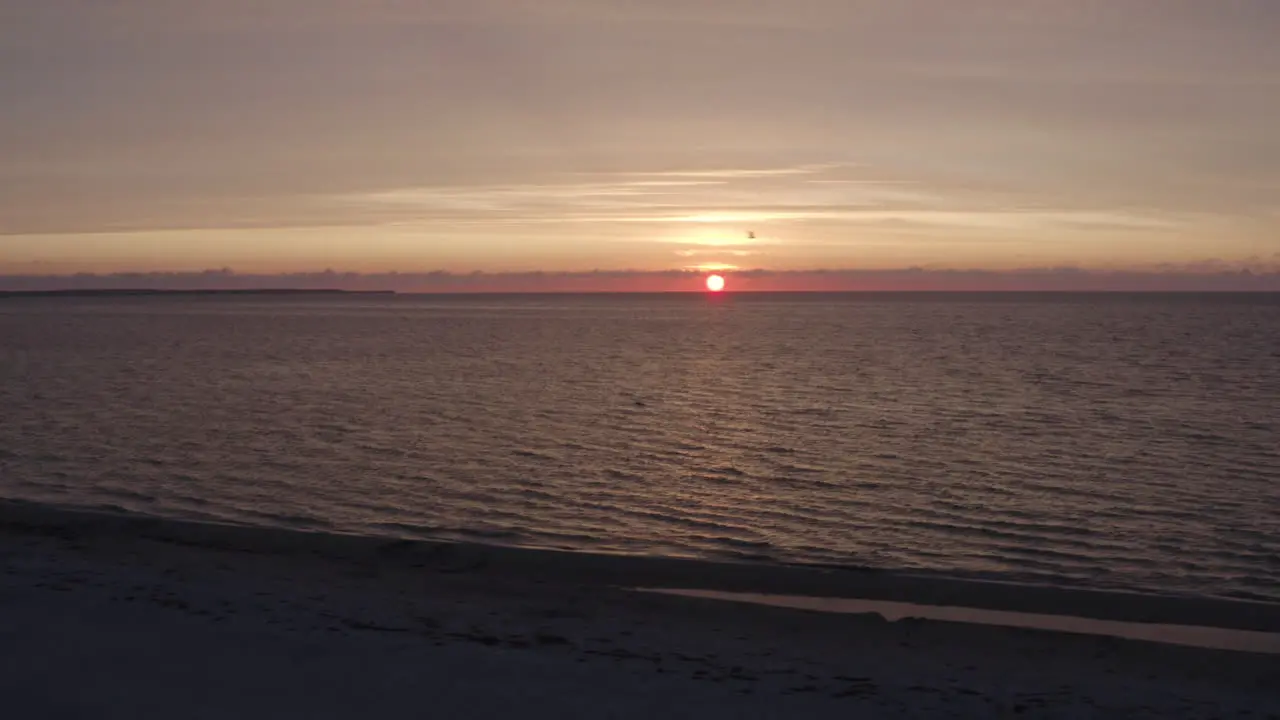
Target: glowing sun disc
[[715, 283]]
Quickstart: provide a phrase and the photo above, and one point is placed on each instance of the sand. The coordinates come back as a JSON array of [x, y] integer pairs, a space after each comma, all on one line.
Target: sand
[[107, 616]]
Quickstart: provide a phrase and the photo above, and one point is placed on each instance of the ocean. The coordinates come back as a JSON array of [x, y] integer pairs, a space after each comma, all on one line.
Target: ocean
[[1104, 441]]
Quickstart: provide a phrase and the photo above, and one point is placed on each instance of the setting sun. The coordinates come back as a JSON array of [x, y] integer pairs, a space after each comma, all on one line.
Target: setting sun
[[715, 283]]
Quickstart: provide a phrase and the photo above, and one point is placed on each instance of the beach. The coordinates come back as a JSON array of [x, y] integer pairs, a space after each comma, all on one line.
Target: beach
[[110, 615]]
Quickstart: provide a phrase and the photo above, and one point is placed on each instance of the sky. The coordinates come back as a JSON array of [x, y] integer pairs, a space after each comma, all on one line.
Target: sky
[[564, 136]]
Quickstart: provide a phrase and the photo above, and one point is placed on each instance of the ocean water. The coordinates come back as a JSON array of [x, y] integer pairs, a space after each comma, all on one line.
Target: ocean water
[[1109, 441]]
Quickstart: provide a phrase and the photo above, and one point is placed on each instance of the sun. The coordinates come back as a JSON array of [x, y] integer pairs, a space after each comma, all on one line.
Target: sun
[[715, 283]]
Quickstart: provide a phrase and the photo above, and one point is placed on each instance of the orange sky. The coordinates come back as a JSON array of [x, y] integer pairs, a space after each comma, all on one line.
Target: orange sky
[[496, 135]]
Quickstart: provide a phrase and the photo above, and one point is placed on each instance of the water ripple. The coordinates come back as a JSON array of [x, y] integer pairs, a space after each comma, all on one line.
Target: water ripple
[[1113, 442]]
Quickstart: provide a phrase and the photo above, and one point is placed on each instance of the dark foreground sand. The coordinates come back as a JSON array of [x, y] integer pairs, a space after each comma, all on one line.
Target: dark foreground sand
[[110, 617]]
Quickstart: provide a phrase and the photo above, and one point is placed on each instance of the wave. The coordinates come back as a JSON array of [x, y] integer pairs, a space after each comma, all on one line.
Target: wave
[[83, 526], [1085, 446]]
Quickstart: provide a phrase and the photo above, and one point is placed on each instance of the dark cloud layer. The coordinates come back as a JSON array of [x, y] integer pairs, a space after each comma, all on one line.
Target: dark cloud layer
[[907, 279]]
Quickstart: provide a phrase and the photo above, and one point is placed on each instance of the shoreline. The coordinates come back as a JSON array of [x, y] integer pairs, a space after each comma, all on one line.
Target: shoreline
[[107, 615], [1250, 641], [677, 573]]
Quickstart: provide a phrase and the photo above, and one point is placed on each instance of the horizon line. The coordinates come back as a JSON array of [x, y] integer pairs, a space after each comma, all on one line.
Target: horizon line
[[407, 293]]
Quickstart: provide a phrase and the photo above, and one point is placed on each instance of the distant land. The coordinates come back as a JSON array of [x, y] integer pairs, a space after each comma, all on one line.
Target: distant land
[[145, 291]]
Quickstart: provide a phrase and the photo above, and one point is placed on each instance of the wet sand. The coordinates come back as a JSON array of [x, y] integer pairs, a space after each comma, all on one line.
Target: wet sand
[[115, 616]]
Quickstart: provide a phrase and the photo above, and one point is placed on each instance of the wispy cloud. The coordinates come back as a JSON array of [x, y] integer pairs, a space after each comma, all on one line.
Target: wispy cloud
[[740, 173], [715, 241], [694, 252], [680, 188], [742, 198]]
